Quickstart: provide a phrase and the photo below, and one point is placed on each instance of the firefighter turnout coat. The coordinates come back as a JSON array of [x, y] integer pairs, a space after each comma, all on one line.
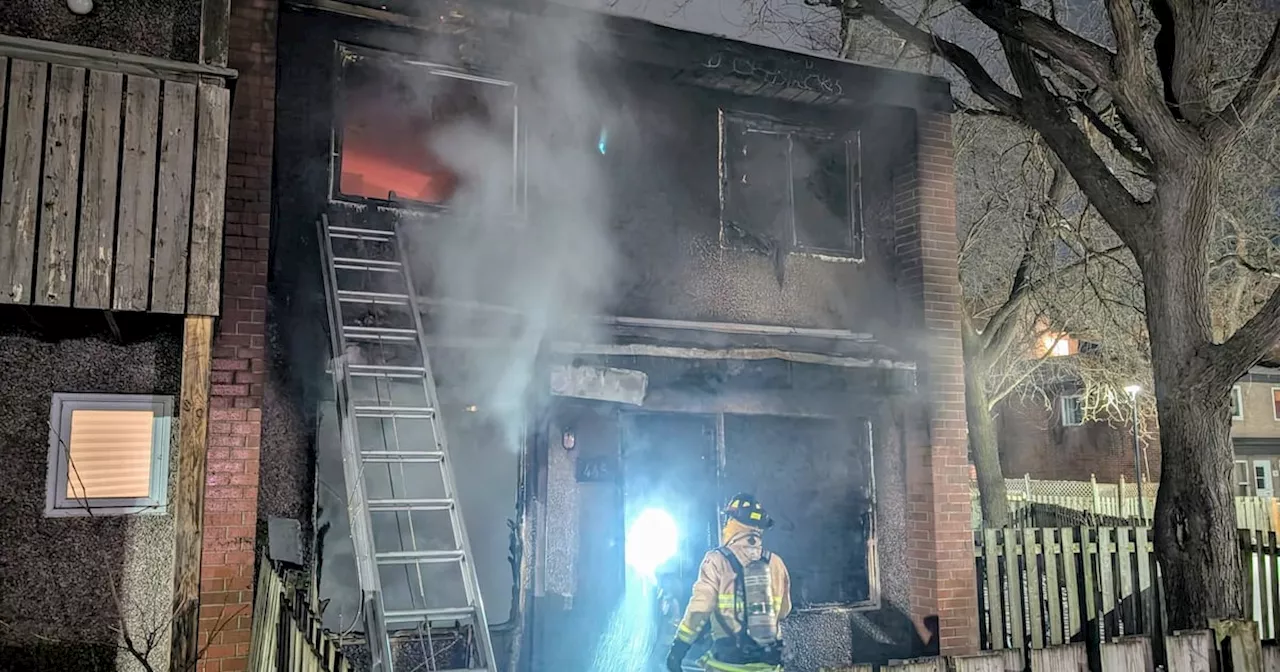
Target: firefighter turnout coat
[[715, 591]]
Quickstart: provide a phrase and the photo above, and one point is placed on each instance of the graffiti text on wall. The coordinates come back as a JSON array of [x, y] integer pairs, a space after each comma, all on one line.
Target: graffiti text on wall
[[776, 73]]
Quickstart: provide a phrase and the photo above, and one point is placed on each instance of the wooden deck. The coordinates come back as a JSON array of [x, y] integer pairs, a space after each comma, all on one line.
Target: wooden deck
[[112, 179]]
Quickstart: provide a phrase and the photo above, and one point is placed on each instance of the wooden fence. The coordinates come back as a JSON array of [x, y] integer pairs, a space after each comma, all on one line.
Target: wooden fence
[[1047, 587], [287, 635], [1113, 500]]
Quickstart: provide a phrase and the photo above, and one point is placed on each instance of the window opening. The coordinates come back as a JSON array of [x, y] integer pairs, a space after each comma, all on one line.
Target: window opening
[[414, 132], [790, 188]]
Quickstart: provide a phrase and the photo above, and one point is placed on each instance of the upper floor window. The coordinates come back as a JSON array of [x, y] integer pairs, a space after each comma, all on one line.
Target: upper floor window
[[1275, 402], [1237, 403], [791, 188], [416, 132], [1072, 411]]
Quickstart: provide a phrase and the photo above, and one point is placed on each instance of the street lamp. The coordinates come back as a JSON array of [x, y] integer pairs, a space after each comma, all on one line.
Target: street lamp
[[1133, 391]]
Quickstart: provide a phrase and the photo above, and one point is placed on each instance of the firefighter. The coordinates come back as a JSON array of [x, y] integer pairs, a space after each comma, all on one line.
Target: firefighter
[[744, 591]]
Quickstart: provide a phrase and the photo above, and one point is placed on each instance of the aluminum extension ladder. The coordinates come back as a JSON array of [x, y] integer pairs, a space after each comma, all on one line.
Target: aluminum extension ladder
[[420, 596]]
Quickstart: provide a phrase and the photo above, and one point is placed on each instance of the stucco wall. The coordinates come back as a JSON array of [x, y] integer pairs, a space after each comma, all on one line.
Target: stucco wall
[[59, 576], [1259, 412], [160, 28]]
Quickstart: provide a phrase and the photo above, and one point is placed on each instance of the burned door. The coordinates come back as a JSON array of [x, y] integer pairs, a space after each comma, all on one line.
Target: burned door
[[669, 466]]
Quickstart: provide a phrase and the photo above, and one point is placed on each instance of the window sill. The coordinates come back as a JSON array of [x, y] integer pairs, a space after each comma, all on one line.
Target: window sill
[[105, 511]]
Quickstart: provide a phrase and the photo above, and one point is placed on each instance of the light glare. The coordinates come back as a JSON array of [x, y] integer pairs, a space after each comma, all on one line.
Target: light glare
[[651, 541]]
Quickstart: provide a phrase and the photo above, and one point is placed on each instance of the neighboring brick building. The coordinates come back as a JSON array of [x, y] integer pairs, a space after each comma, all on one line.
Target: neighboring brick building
[[1048, 442]]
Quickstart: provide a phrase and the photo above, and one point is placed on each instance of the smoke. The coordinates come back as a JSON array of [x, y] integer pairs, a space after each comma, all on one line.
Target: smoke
[[528, 227]]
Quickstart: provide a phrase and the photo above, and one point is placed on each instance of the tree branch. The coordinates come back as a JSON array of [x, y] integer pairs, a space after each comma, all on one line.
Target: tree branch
[[1254, 96], [982, 82], [1232, 359], [1046, 113], [1009, 20], [1121, 144], [1128, 34]]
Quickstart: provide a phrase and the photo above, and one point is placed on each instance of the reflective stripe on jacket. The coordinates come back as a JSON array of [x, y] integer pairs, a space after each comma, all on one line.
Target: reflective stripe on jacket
[[715, 591]]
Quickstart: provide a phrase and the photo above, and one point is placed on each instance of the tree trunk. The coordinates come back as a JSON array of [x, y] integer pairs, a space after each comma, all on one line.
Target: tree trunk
[[1195, 519], [985, 446], [983, 440]]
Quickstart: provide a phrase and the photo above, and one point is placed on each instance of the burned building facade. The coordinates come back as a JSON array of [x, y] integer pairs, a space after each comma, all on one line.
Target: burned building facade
[[765, 239], [653, 268]]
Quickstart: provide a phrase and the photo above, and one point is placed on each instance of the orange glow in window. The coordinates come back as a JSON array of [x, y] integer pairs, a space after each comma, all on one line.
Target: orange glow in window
[[386, 153]]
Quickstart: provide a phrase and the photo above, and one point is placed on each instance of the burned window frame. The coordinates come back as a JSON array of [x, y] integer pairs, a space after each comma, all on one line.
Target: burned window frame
[[760, 123], [345, 53], [862, 425]]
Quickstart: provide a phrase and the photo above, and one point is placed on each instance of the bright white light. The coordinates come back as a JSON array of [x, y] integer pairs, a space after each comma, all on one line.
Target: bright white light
[[651, 541], [1133, 390]]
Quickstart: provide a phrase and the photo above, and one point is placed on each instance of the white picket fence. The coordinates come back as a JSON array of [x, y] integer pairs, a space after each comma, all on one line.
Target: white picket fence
[[1118, 500]]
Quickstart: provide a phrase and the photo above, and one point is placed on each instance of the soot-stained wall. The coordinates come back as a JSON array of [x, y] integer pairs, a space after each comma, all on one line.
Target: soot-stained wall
[[664, 172], [580, 535], [58, 575], [160, 28]]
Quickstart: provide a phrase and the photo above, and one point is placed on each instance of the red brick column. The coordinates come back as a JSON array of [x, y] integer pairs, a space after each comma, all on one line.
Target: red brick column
[[235, 421], [939, 538]]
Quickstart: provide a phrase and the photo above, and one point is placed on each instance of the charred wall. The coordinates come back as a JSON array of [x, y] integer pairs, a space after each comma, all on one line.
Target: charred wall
[[661, 168], [584, 494], [160, 28], [60, 577]]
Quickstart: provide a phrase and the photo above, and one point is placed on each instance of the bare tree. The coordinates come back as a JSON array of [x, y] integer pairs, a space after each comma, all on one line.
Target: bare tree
[[1147, 106], [1036, 261]]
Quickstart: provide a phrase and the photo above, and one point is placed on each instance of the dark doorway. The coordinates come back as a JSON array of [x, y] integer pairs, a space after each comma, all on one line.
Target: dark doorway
[[669, 463]]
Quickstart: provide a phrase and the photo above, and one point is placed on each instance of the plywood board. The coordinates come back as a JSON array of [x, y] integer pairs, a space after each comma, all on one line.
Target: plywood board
[[137, 194], [96, 240], [173, 199], [61, 186], [20, 186]]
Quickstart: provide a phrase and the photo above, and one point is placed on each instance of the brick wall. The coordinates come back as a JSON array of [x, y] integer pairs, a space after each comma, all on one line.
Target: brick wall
[[939, 550], [235, 423], [1034, 442]]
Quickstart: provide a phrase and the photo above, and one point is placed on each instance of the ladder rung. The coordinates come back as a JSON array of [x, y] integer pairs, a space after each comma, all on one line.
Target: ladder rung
[[400, 333], [450, 614], [386, 370], [415, 557], [384, 298], [410, 504], [394, 411], [359, 233], [364, 262], [395, 457]]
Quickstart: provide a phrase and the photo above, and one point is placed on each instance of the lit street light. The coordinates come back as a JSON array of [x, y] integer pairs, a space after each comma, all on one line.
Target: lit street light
[[1133, 391]]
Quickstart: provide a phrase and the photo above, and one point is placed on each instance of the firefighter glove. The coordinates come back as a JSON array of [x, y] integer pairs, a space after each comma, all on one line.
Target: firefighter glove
[[676, 656]]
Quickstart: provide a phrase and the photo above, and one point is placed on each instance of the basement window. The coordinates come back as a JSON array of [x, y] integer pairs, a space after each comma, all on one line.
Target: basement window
[[798, 189], [420, 134], [108, 454]]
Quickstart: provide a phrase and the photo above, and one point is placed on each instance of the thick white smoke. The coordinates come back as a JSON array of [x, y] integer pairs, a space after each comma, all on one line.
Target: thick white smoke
[[547, 257]]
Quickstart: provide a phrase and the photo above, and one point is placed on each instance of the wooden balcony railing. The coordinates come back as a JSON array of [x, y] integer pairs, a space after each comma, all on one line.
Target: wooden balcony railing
[[112, 179]]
